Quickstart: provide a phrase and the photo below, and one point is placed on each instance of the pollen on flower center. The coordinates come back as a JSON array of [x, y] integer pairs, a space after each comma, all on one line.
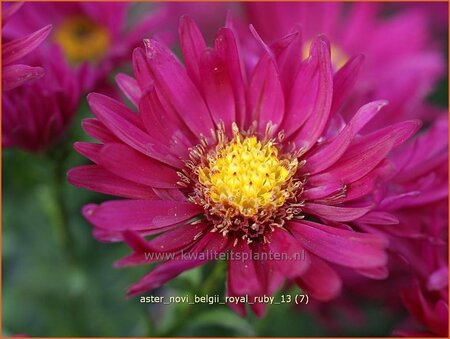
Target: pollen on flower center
[[246, 185], [248, 176], [81, 39]]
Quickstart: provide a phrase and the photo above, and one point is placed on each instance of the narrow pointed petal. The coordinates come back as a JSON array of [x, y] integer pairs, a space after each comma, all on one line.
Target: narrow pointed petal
[[139, 214], [344, 80], [365, 154], [172, 268], [89, 150], [242, 278], [98, 130], [313, 127], [216, 86], [336, 213], [163, 247], [192, 46], [339, 246], [129, 87], [330, 153], [176, 86], [16, 75], [17, 49], [225, 44], [96, 178], [265, 96], [320, 281], [134, 166], [294, 261], [122, 123], [320, 192], [267, 269]]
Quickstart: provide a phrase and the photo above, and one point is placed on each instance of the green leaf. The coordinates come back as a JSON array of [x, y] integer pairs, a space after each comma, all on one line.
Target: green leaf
[[222, 317]]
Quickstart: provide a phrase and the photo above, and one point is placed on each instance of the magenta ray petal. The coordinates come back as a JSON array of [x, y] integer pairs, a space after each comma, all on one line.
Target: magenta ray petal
[[344, 80], [301, 98], [288, 60], [134, 166], [98, 130], [378, 273], [225, 44], [139, 214], [163, 123], [176, 239], [103, 106], [161, 274], [343, 247], [379, 218], [89, 150], [16, 75], [366, 184], [98, 179], [320, 281], [336, 213], [129, 87], [175, 85], [18, 48], [169, 242], [192, 46], [216, 86], [286, 245], [313, 127], [239, 308], [323, 191], [242, 277], [121, 123], [366, 153], [329, 154], [268, 274], [142, 71], [265, 95], [170, 269]]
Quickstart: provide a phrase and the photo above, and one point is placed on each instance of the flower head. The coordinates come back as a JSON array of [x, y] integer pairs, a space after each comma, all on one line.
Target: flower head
[[36, 115], [14, 75], [402, 61], [223, 158], [92, 36]]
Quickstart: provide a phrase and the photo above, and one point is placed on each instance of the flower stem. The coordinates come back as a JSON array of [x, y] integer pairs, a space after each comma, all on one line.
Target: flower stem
[[210, 285], [58, 213]]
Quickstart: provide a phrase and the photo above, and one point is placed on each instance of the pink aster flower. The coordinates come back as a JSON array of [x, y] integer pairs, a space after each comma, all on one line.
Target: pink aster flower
[[93, 36], [219, 159], [413, 213], [402, 62], [36, 115], [14, 75]]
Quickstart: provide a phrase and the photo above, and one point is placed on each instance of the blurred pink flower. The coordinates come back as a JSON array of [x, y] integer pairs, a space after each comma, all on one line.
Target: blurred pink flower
[[402, 61], [14, 75], [414, 206], [217, 161], [37, 114], [94, 37]]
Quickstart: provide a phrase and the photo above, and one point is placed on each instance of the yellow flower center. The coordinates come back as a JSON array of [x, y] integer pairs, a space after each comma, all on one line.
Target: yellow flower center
[[81, 39], [248, 186], [338, 56], [248, 176]]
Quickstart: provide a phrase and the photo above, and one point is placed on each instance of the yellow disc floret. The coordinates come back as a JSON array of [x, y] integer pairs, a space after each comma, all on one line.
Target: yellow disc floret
[[81, 39], [248, 176]]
